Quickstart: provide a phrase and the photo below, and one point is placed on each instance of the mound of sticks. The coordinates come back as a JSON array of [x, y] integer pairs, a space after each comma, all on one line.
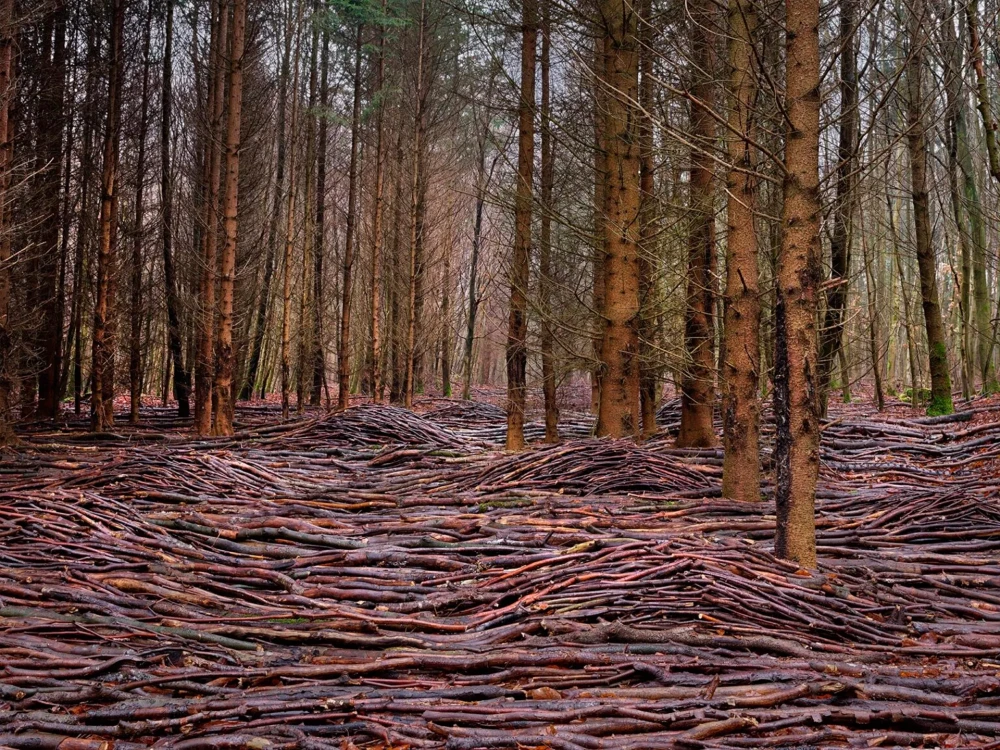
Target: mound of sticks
[[307, 587]]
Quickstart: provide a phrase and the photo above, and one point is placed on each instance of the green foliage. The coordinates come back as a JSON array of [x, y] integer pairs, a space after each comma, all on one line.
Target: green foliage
[[939, 406], [922, 395]]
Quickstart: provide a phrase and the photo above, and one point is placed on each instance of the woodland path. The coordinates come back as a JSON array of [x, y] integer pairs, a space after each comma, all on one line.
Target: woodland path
[[379, 578]]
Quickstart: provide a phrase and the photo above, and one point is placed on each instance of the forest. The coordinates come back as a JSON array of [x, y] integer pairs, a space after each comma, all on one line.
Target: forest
[[488, 374]]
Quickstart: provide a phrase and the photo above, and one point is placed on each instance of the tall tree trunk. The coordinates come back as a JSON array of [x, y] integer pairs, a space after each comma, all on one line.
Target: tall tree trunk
[[796, 404], [224, 353], [205, 365], [102, 357], [8, 32], [741, 347], [446, 344], [477, 238], [982, 88], [545, 240], [618, 410], [319, 233], [598, 259], [182, 378], [517, 330], [416, 230], [840, 243], [916, 140], [698, 381], [648, 380], [911, 346], [286, 302], [51, 106], [264, 301], [375, 354], [343, 353], [135, 340]]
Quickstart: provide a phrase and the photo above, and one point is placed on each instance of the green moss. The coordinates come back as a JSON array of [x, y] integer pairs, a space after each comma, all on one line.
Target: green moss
[[939, 406], [922, 395]]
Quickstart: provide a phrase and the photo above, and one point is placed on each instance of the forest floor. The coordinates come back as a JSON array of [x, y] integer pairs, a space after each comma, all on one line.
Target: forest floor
[[378, 578]]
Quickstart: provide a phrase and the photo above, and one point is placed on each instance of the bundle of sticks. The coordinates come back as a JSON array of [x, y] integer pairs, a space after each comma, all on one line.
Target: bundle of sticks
[[298, 589]]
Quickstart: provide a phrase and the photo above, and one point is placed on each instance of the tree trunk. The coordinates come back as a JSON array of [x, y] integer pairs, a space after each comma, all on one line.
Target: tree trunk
[[618, 410], [517, 326], [264, 301], [343, 352], [446, 345], [741, 347], [477, 237], [796, 404], [916, 140], [598, 259], [8, 33], [205, 365], [375, 354], [135, 341], [51, 109], [224, 351], [319, 234], [698, 382], [182, 378], [545, 240], [102, 357], [419, 126], [648, 380], [840, 243], [286, 302]]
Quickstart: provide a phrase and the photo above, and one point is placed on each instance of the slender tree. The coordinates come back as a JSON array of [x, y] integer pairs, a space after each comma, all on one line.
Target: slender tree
[[796, 404], [102, 353], [378, 231], [916, 139], [343, 353], [741, 347], [517, 326], [182, 379], [225, 361], [698, 382], [8, 32], [138, 237], [840, 243], [618, 409], [212, 161]]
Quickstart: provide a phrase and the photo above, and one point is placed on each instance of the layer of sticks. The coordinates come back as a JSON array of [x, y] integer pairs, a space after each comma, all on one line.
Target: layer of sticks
[[384, 579]]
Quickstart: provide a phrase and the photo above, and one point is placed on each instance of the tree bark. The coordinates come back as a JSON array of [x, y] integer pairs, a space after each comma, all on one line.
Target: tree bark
[[264, 300], [286, 302], [796, 347], [698, 382], [205, 365], [545, 239], [840, 243], [8, 32], [135, 339], [741, 347], [50, 144], [416, 229], [343, 353], [319, 233], [916, 139], [648, 375], [517, 326], [224, 353], [618, 409], [182, 378], [375, 354], [102, 354]]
